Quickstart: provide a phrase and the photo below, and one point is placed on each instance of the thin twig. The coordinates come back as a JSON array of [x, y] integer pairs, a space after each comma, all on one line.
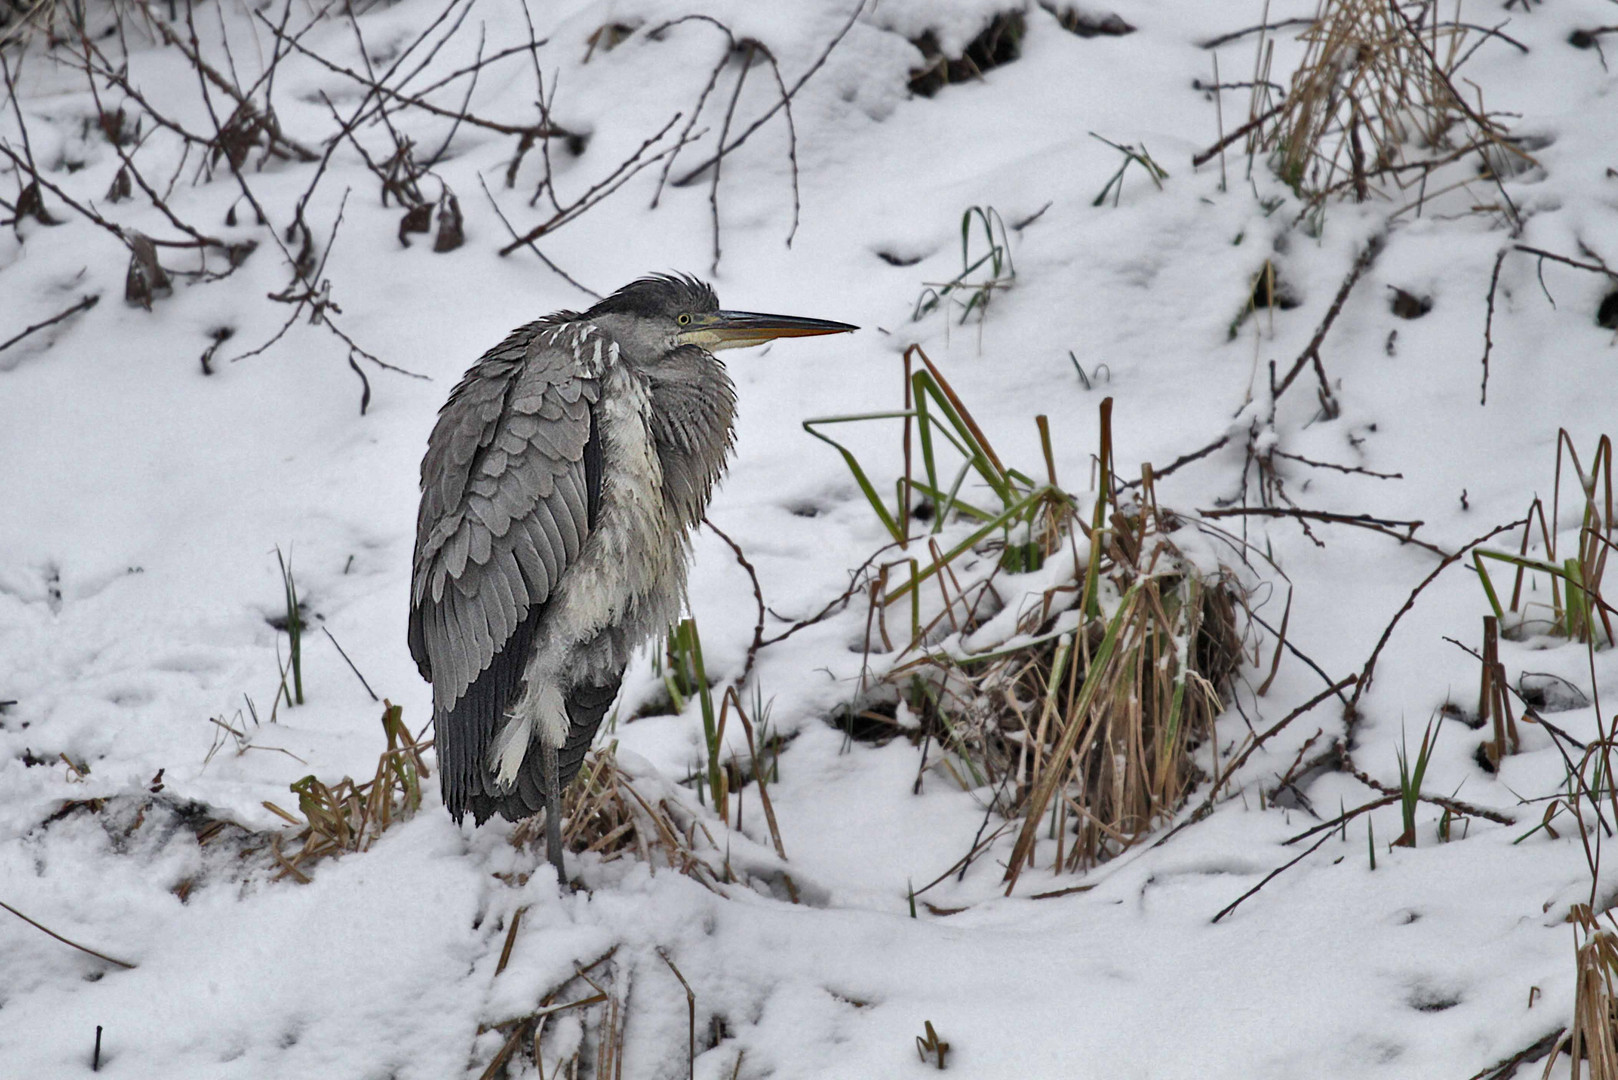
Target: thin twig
[[65, 941], [1207, 805], [1311, 351], [1183, 459], [340, 651], [1352, 469], [1488, 324], [557, 270], [1236, 35], [758, 599], [83, 305], [779, 105], [1449, 560], [1364, 521], [1207, 155], [1454, 806], [1271, 876]]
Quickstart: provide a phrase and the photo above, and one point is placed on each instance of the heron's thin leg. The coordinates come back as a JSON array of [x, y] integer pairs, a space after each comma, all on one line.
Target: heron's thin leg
[[553, 808]]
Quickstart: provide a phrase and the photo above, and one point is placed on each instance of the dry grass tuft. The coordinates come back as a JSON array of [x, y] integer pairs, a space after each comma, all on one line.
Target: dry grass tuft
[[1577, 610], [1084, 727], [1069, 660], [349, 816], [1375, 102], [578, 1025], [1593, 1038], [20, 18], [613, 812]]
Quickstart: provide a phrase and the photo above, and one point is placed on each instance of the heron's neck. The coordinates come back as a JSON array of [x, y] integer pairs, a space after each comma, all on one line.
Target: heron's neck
[[692, 421]]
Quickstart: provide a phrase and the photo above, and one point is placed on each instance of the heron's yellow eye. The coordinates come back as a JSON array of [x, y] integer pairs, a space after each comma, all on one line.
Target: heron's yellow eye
[[684, 320]]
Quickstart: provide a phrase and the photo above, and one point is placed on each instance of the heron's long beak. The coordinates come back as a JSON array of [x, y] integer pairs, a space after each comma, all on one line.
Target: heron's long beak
[[715, 330]]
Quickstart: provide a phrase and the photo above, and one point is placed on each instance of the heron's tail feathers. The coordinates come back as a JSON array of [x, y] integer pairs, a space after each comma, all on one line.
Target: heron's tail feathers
[[522, 795]]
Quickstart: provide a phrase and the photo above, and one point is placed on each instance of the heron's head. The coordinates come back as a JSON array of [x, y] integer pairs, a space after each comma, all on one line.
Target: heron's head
[[654, 316]]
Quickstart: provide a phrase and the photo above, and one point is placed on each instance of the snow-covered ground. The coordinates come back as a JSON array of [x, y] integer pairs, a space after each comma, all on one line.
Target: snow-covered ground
[[142, 503]]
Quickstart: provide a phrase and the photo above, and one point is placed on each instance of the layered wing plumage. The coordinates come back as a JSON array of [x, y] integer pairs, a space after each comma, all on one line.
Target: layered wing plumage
[[510, 485]]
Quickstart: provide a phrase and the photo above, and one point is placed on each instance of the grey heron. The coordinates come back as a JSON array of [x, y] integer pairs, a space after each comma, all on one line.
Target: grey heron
[[559, 491]]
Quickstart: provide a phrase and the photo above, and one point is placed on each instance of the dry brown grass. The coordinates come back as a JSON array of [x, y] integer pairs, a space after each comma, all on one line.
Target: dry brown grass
[[1086, 734], [1077, 696], [349, 816], [614, 812], [1375, 105], [20, 18], [590, 1002], [1592, 1041]]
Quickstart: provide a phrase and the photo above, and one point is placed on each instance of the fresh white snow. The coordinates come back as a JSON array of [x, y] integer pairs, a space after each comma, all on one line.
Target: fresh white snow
[[142, 503]]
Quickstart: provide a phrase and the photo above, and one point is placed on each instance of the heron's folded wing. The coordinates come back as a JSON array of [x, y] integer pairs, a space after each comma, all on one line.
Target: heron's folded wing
[[509, 484]]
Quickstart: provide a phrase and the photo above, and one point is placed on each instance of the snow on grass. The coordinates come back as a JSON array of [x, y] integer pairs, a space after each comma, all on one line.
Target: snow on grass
[[144, 501]]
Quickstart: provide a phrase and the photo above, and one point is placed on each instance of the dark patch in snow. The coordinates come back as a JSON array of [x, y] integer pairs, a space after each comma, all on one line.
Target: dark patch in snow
[[850, 1000], [895, 259], [146, 827], [874, 722], [1588, 39], [279, 620], [1087, 24], [1429, 1000], [1607, 313], [219, 335], [1452, 711], [999, 43], [417, 219], [1408, 305], [1271, 290], [1550, 693], [608, 36]]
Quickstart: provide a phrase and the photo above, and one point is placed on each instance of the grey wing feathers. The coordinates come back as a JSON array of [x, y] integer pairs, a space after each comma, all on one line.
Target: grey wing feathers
[[505, 506]]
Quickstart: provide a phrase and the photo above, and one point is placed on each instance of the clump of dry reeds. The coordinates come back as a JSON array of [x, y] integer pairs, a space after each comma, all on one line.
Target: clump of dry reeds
[[1078, 695], [1577, 609], [1084, 724], [1592, 1040], [349, 816], [1375, 102], [612, 811]]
